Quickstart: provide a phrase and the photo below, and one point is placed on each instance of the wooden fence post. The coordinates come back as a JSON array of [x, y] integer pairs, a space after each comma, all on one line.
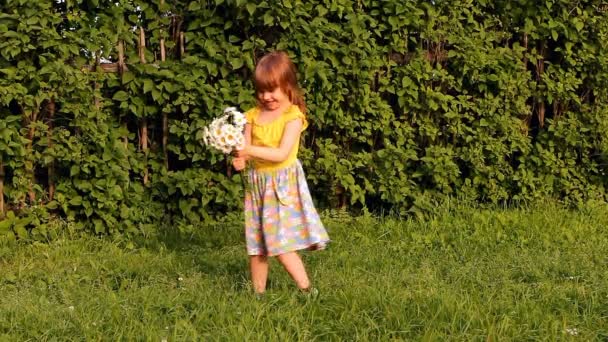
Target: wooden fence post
[[165, 123], [540, 70], [96, 101], [51, 168], [121, 70], [1, 188], [29, 164], [182, 46], [144, 120]]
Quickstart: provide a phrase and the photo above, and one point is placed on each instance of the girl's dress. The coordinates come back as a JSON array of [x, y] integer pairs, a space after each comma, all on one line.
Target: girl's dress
[[280, 216]]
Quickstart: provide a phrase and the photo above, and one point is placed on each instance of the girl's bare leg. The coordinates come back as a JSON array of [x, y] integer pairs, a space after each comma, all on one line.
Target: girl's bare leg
[[295, 267], [259, 272]]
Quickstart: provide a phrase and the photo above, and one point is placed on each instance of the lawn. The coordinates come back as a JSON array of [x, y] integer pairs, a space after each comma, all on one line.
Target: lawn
[[535, 273]]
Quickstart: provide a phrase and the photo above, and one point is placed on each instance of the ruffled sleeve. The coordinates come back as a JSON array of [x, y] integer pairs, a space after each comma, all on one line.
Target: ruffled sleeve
[[251, 115], [294, 113]]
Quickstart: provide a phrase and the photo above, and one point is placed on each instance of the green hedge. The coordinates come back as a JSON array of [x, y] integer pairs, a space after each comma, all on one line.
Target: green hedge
[[410, 102]]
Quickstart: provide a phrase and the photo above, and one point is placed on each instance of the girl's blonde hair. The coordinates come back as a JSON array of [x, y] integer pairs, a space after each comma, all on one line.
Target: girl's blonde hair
[[277, 70]]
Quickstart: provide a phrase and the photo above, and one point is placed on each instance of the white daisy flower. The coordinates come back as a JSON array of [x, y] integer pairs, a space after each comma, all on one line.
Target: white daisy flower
[[229, 110], [225, 132], [217, 131], [240, 142], [226, 150], [230, 138], [239, 119]]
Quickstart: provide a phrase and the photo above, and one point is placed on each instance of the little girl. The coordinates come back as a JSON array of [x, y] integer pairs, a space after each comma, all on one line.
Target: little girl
[[280, 217]]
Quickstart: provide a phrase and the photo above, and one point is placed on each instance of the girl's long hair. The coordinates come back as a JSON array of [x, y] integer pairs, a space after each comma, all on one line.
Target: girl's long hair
[[277, 70]]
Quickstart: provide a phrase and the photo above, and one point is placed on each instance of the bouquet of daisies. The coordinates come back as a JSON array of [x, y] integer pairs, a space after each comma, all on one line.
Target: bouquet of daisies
[[225, 133]]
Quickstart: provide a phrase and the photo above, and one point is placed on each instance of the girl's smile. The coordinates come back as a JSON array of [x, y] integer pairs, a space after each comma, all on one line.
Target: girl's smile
[[274, 99]]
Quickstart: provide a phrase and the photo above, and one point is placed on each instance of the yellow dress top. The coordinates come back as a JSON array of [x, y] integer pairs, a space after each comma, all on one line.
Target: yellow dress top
[[270, 134]]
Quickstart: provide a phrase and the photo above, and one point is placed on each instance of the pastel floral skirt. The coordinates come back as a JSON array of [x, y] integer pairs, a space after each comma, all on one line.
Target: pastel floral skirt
[[280, 216]]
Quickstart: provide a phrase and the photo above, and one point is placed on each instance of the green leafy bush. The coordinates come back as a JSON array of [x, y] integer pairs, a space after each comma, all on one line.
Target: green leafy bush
[[409, 102]]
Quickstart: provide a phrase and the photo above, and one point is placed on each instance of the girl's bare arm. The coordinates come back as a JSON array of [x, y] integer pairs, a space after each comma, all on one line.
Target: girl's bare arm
[[291, 135]]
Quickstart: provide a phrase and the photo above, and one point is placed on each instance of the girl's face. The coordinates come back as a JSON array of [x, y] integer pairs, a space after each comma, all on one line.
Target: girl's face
[[273, 99]]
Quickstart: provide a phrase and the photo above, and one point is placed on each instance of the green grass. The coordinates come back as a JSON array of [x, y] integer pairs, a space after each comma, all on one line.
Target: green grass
[[462, 274]]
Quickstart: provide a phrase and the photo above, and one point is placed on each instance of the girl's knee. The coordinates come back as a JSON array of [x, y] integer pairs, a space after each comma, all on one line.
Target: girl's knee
[[258, 258]]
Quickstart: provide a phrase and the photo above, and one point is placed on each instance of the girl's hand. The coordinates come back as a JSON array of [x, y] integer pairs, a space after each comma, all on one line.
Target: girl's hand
[[238, 163], [243, 152]]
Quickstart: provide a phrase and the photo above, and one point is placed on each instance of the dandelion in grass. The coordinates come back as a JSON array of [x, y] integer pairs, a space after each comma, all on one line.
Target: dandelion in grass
[[572, 331], [225, 133]]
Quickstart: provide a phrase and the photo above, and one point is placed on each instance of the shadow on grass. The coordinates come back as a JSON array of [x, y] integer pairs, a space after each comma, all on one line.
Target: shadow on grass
[[215, 250], [211, 236]]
